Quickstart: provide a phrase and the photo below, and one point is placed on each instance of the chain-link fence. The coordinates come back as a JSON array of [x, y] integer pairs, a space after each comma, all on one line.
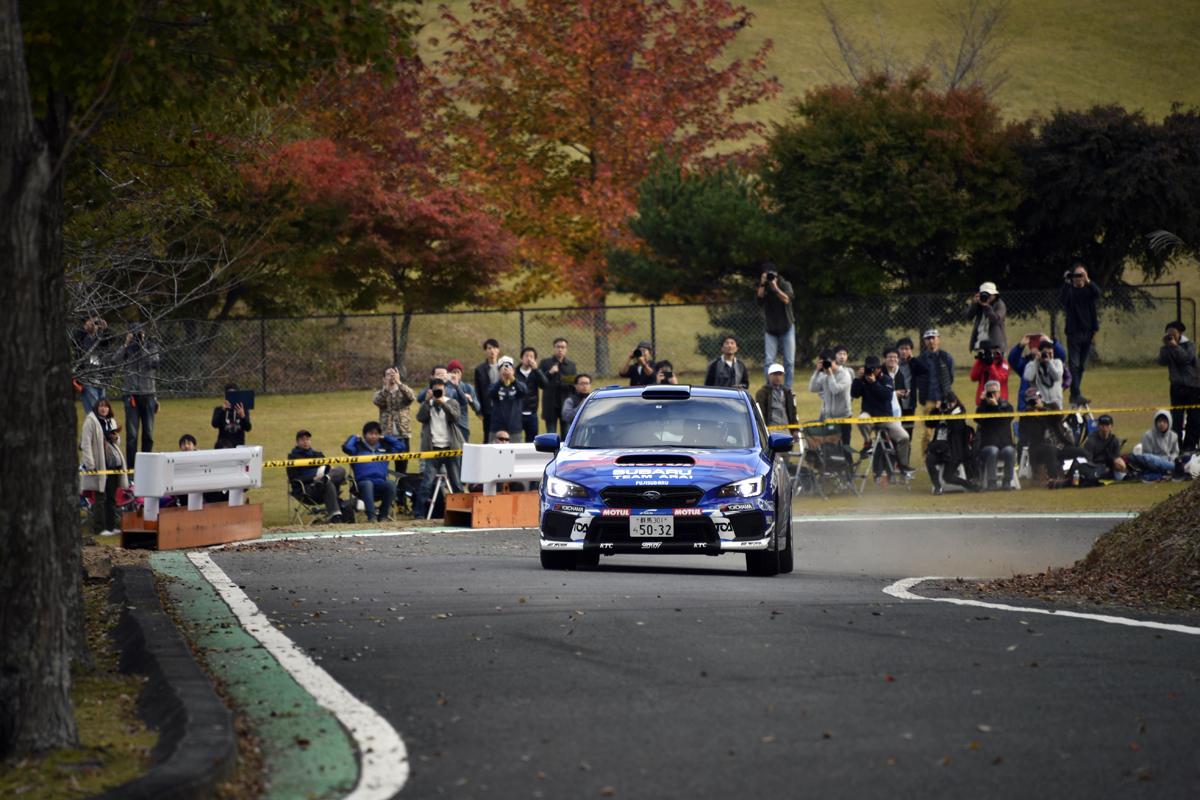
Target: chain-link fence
[[328, 353]]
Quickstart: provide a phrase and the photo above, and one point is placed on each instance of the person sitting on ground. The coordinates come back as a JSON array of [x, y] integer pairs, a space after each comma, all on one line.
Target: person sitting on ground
[[1046, 374], [187, 443], [1046, 438], [438, 416], [727, 369], [1026, 351], [874, 385], [393, 400], [372, 477], [579, 393], [1103, 450], [231, 421], [1159, 457], [949, 447], [776, 401], [664, 373], [989, 366], [640, 367], [506, 398], [994, 437], [319, 484]]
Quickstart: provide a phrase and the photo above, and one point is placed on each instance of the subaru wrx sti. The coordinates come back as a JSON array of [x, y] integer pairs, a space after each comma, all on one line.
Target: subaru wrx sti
[[667, 469]]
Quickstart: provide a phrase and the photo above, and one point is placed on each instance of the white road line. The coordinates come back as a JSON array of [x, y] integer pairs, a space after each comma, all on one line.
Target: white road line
[[951, 517], [902, 590], [383, 767]]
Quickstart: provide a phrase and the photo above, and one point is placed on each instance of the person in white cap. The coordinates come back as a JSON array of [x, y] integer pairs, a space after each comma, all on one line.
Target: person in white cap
[[776, 401], [986, 311]]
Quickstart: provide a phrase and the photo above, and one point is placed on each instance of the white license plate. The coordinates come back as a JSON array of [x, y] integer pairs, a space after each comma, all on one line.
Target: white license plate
[[654, 526]]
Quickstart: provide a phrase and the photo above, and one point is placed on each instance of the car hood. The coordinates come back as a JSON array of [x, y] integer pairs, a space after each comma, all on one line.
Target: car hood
[[708, 469]]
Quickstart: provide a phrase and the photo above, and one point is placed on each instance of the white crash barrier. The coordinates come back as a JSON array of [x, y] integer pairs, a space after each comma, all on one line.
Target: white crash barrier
[[195, 472], [491, 464]]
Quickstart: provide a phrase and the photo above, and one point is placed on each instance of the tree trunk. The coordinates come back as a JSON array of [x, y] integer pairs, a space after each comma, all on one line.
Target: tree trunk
[[600, 330], [41, 609], [401, 354]]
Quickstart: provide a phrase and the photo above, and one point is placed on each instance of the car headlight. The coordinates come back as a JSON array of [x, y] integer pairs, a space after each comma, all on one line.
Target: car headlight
[[751, 487], [557, 487]]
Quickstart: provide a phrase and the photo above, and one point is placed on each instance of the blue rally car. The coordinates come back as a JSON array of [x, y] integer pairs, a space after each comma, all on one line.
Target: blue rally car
[[667, 469]]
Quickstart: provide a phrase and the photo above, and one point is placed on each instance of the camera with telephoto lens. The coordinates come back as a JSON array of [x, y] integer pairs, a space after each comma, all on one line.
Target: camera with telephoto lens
[[826, 363], [668, 374], [1168, 339], [983, 355], [983, 296], [438, 392], [637, 353]]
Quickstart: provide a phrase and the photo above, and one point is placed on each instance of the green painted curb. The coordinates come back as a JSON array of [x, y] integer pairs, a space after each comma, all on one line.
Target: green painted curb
[[306, 751]]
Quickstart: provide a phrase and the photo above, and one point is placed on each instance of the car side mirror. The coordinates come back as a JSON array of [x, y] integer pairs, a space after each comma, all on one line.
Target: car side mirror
[[778, 442], [546, 443]]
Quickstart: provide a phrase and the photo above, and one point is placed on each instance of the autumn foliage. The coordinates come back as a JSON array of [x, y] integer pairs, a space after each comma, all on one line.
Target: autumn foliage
[[376, 199], [561, 109]]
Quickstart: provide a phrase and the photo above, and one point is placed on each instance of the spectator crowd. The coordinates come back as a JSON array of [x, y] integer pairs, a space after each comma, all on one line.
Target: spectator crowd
[[513, 399]]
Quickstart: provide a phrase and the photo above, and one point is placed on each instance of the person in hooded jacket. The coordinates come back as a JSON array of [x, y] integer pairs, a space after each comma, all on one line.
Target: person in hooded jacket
[[1160, 449], [1178, 355]]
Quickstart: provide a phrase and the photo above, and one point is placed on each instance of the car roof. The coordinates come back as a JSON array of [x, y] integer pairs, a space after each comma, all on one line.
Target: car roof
[[661, 391]]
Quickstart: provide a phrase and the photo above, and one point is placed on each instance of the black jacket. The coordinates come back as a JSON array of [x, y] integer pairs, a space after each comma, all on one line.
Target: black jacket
[[483, 382], [721, 375], [1079, 307], [876, 395], [954, 445], [996, 432], [929, 367], [304, 474], [1102, 452], [229, 426], [506, 406], [558, 387], [535, 382]]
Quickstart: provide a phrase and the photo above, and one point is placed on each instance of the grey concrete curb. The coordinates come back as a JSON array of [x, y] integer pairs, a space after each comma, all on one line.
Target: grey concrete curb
[[197, 746]]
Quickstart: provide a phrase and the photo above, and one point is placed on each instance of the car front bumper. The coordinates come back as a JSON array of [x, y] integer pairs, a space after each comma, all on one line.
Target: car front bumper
[[729, 527]]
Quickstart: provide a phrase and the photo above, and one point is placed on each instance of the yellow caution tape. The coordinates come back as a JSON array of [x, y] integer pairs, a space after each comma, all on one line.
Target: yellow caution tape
[[316, 462], [977, 415]]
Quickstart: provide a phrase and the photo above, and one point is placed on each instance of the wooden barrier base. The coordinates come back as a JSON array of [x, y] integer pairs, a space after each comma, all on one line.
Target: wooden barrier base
[[177, 528], [500, 510]]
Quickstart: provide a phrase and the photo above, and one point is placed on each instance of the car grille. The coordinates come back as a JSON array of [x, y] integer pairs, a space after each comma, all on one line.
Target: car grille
[[688, 530], [635, 496]]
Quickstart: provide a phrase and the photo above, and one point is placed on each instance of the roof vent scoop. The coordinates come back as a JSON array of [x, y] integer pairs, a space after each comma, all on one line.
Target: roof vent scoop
[[667, 391]]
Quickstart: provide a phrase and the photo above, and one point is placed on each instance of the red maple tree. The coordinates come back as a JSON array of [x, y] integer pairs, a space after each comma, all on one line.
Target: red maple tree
[[561, 109]]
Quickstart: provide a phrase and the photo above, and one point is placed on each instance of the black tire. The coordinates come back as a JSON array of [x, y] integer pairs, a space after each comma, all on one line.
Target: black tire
[[787, 556], [552, 559], [588, 558]]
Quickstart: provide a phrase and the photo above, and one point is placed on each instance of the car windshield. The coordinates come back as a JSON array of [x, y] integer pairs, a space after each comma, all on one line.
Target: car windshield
[[697, 422]]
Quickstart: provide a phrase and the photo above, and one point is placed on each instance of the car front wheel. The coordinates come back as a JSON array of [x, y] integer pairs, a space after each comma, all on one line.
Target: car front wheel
[[552, 559]]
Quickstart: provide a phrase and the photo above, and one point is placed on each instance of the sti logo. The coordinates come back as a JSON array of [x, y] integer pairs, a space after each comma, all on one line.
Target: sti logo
[[651, 545], [652, 473]]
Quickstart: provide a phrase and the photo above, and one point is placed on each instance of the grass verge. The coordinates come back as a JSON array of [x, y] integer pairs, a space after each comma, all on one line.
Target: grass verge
[[114, 744]]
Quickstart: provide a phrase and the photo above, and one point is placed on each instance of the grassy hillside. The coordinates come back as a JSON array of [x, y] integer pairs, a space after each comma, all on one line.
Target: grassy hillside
[[1070, 53]]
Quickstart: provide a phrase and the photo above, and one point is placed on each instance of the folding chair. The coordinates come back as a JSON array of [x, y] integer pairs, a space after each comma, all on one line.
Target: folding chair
[[302, 509]]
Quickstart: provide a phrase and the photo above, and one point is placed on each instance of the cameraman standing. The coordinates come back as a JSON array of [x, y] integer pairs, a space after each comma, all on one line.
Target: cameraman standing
[[987, 313], [640, 368], [775, 295], [140, 359], [1178, 355], [1045, 374], [832, 382], [1079, 298]]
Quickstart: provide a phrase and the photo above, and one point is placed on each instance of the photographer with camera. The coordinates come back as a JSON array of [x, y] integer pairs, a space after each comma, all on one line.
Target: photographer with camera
[[727, 369], [90, 343], [950, 447], [1178, 355], [1080, 298], [508, 399], [1045, 373], [393, 400], [1046, 438], [994, 437], [1026, 351], [987, 313], [438, 415], [832, 381], [664, 372], [640, 367], [775, 295], [878, 392], [139, 357], [989, 366]]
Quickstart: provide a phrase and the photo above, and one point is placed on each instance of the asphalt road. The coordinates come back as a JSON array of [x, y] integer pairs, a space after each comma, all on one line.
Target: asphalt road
[[675, 677]]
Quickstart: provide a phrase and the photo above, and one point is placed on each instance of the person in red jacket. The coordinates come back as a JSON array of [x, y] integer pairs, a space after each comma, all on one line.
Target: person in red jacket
[[989, 366]]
